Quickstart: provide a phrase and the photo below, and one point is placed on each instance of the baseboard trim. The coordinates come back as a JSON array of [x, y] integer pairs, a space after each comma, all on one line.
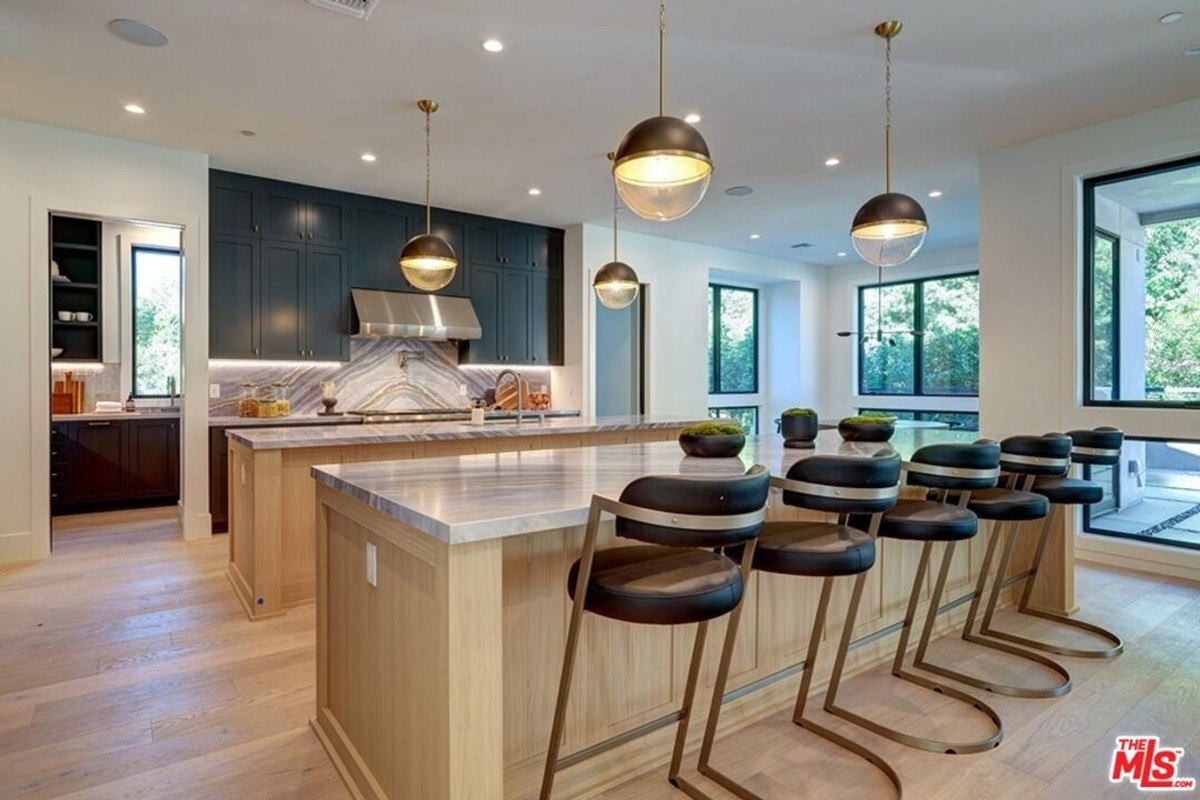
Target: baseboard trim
[[1155, 559], [16, 548]]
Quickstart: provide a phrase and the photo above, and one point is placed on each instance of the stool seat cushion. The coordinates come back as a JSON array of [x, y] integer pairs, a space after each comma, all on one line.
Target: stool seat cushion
[[927, 521], [1004, 505], [818, 549], [660, 585], [1069, 491]]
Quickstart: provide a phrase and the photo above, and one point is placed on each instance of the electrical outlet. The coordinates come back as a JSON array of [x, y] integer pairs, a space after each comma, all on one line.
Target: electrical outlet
[[214, 391], [372, 576]]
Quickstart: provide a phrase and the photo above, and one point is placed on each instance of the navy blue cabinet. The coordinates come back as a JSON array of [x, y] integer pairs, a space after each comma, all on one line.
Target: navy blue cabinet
[[381, 229], [486, 297], [327, 303], [234, 204], [233, 296], [282, 309]]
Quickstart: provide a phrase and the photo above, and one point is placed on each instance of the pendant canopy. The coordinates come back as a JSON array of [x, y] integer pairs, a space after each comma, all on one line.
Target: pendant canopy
[[890, 228], [662, 167], [427, 260]]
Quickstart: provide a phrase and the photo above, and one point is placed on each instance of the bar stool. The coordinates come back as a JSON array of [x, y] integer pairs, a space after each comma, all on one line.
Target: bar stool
[[963, 468], [838, 484], [671, 579], [1101, 446], [1022, 460]]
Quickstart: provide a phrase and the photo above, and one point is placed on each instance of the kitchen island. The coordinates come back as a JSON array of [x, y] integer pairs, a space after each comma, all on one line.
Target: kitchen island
[[272, 527], [442, 616]]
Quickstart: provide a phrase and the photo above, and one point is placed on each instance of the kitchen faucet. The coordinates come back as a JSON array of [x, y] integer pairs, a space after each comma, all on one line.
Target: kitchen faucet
[[520, 394]]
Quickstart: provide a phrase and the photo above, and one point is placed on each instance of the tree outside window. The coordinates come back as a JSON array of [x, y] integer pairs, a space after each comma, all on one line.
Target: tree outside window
[[156, 300], [733, 340]]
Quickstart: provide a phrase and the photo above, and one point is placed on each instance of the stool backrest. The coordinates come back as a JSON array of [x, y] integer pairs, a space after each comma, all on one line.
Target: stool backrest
[[1036, 455], [963, 467], [1100, 446], [844, 484], [686, 511]]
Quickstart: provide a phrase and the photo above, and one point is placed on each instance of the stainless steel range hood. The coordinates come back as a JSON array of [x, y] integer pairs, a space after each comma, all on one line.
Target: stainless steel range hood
[[408, 315]]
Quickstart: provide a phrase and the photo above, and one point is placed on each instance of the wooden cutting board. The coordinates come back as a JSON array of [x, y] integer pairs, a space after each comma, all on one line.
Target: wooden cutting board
[[68, 387], [507, 393]]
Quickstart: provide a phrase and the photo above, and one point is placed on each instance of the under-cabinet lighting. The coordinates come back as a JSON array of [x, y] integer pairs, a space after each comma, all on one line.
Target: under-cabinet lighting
[[77, 366], [237, 362], [515, 367]]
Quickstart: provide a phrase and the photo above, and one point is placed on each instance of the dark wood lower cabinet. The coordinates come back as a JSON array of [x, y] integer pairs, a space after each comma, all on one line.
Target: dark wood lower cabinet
[[113, 463]]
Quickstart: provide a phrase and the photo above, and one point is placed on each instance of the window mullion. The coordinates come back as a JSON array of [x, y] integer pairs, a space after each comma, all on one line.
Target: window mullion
[[918, 341]]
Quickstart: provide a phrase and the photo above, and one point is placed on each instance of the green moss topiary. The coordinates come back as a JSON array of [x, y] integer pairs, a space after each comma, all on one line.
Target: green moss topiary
[[870, 419], [713, 429], [799, 412]]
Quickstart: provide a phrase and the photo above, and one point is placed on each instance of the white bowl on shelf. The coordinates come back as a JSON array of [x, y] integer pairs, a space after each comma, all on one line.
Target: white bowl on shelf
[[55, 352]]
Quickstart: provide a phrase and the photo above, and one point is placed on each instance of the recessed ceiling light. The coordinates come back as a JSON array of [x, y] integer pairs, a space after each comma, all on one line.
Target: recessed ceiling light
[[833, 161], [739, 191], [370, 158], [841, 254], [756, 236], [692, 119], [936, 193], [534, 191], [134, 108], [494, 46], [1194, 50], [248, 133], [138, 33], [1171, 17]]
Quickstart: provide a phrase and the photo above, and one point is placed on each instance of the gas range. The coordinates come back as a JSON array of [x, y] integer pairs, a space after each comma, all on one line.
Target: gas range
[[381, 417]]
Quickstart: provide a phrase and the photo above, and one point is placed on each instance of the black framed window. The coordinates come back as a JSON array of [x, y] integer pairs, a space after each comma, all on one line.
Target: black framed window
[[156, 299], [957, 420], [920, 337], [745, 416], [1141, 287], [732, 340]]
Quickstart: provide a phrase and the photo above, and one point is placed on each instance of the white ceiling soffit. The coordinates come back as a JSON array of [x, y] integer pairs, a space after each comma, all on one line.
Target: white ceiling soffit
[[781, 86]]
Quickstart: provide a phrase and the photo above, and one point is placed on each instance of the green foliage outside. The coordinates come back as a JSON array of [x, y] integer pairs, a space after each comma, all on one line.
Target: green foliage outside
[[732, 323], [746, 417], [1173, 311], [156, 322]]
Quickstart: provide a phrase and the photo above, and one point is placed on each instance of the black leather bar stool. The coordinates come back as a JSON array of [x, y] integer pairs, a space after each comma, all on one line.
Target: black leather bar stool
[[1023, 459], [1101, 446], [838, 484], [963, 468], [679, 576]]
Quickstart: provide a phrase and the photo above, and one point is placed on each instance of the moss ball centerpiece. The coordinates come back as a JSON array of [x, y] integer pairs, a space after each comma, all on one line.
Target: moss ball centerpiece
[[712, 440], [867, 428], [799, 427]]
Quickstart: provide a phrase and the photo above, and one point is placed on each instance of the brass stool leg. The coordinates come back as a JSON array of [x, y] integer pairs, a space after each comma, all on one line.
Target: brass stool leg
[[968, 634], [1117, 646], [918, 742]]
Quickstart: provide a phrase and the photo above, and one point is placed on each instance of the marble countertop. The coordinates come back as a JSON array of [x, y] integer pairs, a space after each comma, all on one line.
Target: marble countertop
[[400, 432], [115, 416], [278, 422], [475, 498]]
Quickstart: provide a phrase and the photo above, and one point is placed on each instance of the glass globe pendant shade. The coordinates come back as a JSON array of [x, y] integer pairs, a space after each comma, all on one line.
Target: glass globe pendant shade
[[616, 285], [662, 168], [428, 262], [889, 229]]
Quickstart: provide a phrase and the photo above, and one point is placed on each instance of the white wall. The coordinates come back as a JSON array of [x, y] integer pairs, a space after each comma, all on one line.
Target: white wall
[[44, 169], [677, 317], [1030, 249], [841, 395]]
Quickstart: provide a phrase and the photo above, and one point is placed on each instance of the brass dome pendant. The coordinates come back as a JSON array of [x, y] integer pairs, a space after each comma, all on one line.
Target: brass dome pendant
[[662, 167], [616, 284], [427, 260], [890, 228]]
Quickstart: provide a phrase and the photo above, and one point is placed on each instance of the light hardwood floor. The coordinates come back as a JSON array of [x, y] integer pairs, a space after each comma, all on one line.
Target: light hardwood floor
[[128, 670]]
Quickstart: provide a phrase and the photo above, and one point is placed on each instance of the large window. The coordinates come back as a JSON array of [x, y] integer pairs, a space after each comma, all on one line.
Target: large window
[[732, 340], [745, 416], [156, 301], [1141, 287], [920, 337]]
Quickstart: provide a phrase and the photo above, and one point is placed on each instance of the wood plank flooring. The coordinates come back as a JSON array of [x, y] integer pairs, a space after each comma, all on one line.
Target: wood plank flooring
[[127, 670]]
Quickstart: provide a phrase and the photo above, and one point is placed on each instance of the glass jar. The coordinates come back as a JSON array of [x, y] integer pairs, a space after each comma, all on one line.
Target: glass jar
[[267, 405], [247, 405], [283, 399]]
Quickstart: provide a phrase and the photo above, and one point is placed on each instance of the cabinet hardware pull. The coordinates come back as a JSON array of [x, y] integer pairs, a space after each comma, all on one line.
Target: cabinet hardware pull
[[99, 424], [256, 228]]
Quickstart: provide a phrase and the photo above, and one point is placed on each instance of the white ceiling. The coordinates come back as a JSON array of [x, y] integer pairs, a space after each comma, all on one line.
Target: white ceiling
[[781, 85]]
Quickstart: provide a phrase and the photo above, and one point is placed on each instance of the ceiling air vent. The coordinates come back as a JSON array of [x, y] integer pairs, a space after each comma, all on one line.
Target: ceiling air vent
[[359, 9], [802, 245]]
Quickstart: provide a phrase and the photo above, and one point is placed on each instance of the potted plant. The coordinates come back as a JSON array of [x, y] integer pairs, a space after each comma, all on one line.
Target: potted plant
[[798, 426], [867, 428], [712, 440]]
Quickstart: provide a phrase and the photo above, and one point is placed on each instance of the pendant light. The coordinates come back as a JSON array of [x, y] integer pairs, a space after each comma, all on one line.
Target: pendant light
[[615, 284], [427, 260], [662, 167], [890, 228]]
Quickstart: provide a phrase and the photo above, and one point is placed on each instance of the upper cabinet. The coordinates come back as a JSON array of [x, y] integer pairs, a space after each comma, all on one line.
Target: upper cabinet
[[283, 258]]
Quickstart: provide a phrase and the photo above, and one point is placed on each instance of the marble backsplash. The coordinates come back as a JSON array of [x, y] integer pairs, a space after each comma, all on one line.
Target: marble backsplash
[[372, 379], [100, 382]]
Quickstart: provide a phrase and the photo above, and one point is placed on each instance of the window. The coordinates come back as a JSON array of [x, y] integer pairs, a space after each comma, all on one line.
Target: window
[[732, 340], [894, 357], [744, 416], [957, 420], [1141, 287], [156, 302]]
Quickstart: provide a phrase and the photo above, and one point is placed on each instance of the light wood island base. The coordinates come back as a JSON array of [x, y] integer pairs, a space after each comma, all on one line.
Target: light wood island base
[[439, 682]]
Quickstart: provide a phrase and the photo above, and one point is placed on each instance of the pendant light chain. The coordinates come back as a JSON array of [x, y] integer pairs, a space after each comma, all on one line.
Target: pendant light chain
[[887, 129], [428, 175], [662, 61]]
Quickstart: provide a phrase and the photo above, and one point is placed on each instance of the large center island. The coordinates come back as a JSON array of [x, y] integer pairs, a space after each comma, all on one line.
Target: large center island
[[443, 610]]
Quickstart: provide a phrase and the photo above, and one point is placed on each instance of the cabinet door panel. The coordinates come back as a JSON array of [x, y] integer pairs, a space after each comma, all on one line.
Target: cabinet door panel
[[453, 228], [284, 215], [233, 296], [152, 463], [539, 319], [328, 299], [554, 290], [380, 236], [539, 250], [327, 221], [485, 296], [97, 474], [517, 247], [486, 244], [282, 300], [515, 317], [234, 206]]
